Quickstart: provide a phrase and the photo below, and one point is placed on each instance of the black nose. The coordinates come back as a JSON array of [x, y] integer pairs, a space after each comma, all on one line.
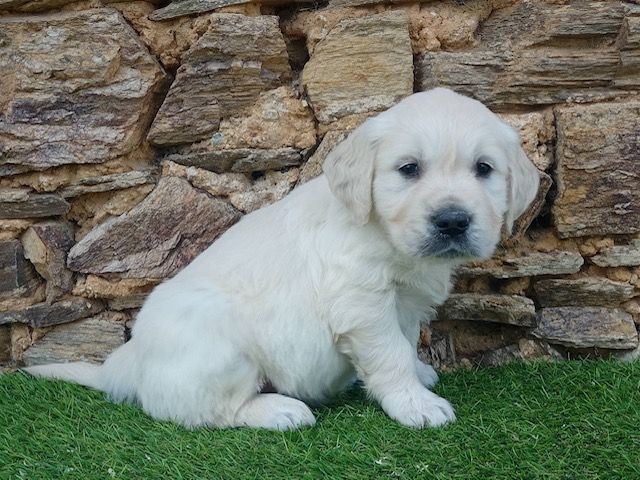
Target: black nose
[[451, 221]]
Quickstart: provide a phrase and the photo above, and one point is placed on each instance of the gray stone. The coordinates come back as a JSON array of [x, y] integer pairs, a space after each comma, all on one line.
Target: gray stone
[[88, 340], [587, 327], [17, 276], [20, 203], [178, 8], [5, 344], [225, 71], [240, 160], [438, 351], [45, 314], [46, 245], [528, 265], [107, 183], [77, 87], [598, 169], [157, 237], [582, 292], [619, 256], [362, 65], [509, 309]]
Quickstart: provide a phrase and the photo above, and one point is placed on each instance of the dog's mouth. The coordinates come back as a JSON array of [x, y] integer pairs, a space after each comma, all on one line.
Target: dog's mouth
[[446, 247]]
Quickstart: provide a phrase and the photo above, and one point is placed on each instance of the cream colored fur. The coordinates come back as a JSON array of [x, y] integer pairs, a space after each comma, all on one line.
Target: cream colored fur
[[327, 285]]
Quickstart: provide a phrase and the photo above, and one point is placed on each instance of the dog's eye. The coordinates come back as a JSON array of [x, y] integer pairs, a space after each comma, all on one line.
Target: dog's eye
[[410, 170], [483, 169]]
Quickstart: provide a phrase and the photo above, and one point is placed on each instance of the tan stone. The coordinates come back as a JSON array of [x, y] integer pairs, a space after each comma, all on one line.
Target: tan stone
[[277, 119], [471, 338], [265, 191], [13, 228], [597, 169], [167, 40], [537, 54], [217, 184], [20, 340], [93, 286], [537, 132], [224, 72], [362, 65], [78, 87], [15, 303]]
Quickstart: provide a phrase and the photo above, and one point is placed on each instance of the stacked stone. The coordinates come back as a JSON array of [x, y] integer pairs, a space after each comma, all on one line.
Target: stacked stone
[[132, 136]]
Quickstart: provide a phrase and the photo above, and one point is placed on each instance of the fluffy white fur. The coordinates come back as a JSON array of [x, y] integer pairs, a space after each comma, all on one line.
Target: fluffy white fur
[[327, 285]]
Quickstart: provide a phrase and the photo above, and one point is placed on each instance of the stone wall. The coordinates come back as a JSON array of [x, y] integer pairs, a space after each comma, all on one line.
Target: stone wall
[[132, 134]]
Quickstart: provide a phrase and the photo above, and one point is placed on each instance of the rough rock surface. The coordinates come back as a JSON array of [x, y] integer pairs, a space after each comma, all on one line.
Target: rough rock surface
[[20, 203], [156, 238], [362, 65], [222, 73], [17, 276], [88, 340], [509, 309], [582, 292], [46, 245], [537, 131], [313, 167], [538, 54], [619, 255], [585, 327], [532, 264], [107, 183], [77, 87], [46, 314], [598, 169]]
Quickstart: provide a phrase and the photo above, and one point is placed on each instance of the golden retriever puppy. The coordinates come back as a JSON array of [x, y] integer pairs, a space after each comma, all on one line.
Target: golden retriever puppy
[[331, 283]]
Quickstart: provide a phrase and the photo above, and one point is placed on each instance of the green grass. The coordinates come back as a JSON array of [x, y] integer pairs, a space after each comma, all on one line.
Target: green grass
[[575, 420]]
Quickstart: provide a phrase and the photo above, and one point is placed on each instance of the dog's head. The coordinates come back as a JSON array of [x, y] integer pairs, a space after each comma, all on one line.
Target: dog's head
[[439, 172]]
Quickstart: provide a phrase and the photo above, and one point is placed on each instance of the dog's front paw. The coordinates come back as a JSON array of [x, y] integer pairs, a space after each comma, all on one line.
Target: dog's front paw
[[426, 373], [418, 408]]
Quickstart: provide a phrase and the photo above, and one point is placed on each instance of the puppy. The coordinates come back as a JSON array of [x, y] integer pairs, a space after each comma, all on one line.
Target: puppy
[[331, 283]]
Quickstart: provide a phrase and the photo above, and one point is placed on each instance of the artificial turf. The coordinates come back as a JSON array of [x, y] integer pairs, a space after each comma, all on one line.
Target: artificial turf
[[572, 420]]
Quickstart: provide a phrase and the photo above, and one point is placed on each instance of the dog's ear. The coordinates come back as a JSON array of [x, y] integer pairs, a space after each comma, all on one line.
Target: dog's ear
[[349, 170], [524, 180]]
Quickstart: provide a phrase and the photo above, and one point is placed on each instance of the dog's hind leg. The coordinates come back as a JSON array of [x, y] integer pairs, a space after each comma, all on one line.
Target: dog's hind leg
[[274, 412]]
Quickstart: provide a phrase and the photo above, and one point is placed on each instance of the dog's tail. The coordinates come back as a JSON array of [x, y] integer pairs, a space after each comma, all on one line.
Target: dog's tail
[[116, 376], [82, 373]]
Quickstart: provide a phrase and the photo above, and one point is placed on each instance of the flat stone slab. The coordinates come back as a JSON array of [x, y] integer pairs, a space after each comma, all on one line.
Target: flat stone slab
[[509, 309], [20, 203], [88, 340], [582, 292], [362, 65], [533, 53], [598, 169], [587, 327], [529, 265], [77, 88], [619, 256], [157, 237], [108, 183], [240, 160], [46, 314]]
